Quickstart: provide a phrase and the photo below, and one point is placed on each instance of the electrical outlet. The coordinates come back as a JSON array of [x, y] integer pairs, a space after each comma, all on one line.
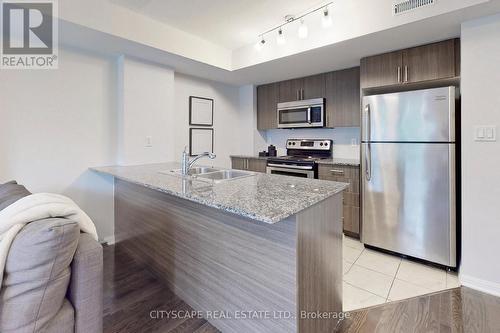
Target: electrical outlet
[[485, 133], [148, 142], [354, 142]]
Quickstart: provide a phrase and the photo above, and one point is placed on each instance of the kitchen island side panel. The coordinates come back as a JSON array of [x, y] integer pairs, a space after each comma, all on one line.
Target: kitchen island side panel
[[319, 265], [213, 260], [218, 261]]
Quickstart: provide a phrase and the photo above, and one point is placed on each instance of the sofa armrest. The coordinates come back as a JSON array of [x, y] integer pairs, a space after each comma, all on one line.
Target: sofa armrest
[[85, 290]]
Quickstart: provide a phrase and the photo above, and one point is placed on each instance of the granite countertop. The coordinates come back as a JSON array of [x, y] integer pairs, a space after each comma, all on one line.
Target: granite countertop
[[262, 197], [341, 161], [337, 161], [249, 156]]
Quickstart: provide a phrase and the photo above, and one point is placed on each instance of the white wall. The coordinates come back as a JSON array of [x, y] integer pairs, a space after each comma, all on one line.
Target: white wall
[[115, 20], [55, 124], [96, 111], [480, 161], [232, 121], [146, 109], [248, 108], [342, 139]]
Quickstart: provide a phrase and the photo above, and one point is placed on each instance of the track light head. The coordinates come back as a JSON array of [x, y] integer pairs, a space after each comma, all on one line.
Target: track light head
[[280, 39], [327, 18], [260, 44], [303, 31]]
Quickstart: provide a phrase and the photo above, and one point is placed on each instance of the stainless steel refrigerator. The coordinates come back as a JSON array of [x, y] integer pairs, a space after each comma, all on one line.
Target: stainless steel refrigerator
[[409, 174]]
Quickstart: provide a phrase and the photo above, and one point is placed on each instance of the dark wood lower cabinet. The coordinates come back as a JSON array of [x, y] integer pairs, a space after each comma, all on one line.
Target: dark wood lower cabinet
[[346, 174], [238, 163], [249, 163]]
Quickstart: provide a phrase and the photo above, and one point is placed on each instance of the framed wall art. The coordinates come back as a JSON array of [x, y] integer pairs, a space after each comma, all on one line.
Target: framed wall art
[[201, 111], [201, 140]]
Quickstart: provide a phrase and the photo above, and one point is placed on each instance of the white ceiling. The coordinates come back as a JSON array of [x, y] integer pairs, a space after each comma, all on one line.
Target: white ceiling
[[229, 23], [322, 58]]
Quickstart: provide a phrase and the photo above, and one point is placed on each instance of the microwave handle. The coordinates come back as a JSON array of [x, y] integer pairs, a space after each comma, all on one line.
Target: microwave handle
[[308, 115]]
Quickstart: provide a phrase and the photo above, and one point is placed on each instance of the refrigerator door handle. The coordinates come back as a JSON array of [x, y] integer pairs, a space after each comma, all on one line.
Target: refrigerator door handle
[[368, 151]]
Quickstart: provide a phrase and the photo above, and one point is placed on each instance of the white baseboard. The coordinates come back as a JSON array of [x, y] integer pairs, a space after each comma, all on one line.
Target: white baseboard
[[488, 287], [110, 240]]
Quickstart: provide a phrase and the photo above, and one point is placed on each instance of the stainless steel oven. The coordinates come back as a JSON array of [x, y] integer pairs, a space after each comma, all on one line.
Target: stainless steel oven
[[301, 158], [302, 171], [301, 114]]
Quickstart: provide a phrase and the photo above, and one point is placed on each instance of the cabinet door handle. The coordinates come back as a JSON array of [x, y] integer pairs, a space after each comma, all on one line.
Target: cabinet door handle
[[298, 95], [302, 92], [406, 73], [337, 171], [399, 74]]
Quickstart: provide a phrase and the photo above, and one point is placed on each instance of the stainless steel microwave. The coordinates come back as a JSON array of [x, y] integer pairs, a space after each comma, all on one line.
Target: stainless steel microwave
[[301, 114]]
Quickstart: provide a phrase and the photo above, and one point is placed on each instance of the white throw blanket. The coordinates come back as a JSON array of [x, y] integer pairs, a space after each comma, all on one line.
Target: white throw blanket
[[37, 207]]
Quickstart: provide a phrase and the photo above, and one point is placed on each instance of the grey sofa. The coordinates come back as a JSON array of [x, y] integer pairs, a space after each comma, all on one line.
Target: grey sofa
[[53, 276]]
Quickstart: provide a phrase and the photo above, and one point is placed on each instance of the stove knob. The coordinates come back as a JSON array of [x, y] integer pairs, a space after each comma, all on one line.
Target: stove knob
[[294, 143], [321, 144]]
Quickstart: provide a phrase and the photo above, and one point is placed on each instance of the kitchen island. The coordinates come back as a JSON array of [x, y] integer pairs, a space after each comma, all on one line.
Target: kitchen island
[[260, 253]]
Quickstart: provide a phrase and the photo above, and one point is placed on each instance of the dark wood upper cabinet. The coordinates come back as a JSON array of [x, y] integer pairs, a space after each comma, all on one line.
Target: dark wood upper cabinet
[[430, 62], [302, 88], [427, 63], [290, 90], [382, 70], [342, 98], [314, 87], [340, 89], [267, 101]]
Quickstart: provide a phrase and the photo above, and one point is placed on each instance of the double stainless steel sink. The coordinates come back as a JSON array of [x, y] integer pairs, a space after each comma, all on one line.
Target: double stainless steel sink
[[211, 174]]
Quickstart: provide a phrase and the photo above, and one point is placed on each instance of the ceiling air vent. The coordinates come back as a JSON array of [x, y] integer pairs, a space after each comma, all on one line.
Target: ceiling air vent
[[401, 7]]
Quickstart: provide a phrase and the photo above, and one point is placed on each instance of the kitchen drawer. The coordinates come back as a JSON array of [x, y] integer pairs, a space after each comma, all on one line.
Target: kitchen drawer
[[350, 175], [249, 163], [341, 173]]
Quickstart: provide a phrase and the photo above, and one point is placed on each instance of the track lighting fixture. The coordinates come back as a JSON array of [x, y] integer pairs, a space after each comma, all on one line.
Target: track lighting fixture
[[326, 21], [260, 44], [303, 31], [280, 39]]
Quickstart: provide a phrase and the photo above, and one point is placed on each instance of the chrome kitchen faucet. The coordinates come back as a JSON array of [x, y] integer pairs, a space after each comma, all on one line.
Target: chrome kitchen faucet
[[187, 163]]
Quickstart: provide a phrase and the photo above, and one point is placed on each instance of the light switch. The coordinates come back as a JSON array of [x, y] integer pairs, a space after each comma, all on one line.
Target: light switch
[[148, 142], [485, 133], [489, 133], [480, 133]]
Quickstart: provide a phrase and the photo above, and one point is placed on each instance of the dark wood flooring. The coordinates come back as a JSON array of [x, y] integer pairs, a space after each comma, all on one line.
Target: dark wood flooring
[[131, 292], [455, 310]]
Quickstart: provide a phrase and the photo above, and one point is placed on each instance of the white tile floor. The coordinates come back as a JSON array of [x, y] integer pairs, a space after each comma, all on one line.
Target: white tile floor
[[372, 277]]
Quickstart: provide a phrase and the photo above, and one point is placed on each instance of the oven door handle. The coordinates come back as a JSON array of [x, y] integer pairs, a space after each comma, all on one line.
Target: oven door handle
[[297, 167]]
